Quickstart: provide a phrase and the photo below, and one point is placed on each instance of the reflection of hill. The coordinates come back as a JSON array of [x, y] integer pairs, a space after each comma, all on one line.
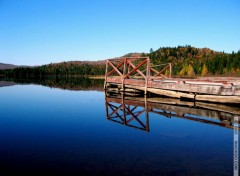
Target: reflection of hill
[[66, 83], [125, 110], [6, 83]]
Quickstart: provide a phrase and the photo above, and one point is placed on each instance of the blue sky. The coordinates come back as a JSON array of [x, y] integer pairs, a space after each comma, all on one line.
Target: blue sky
[[35, 32]]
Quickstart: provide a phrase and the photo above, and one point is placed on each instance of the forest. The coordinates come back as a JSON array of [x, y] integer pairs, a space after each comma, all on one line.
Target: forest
[[186, 61], [191, 61], [66, 69]]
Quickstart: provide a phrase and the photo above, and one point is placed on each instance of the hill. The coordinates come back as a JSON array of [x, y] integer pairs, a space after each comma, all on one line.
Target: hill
[[6, 66]]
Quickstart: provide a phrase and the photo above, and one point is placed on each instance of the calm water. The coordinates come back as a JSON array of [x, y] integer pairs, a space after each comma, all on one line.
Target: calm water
[[63, 132]]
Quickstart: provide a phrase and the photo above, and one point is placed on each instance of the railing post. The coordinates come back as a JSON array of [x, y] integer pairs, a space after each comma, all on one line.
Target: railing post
[[147, 75], [106, 73], [124, 72]]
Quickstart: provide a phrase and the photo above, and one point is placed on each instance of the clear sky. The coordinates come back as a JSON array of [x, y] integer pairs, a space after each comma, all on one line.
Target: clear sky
[[34, 32]]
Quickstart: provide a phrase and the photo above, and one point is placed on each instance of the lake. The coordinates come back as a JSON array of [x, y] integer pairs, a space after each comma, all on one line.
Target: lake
[[69, 129]]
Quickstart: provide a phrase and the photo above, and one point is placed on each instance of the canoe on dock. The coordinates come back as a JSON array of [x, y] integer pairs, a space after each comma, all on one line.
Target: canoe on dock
[[137, 73]]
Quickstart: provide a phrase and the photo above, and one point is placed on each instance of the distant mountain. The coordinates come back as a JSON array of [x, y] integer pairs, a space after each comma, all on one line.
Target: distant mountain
[[77, 63], [7, 66]]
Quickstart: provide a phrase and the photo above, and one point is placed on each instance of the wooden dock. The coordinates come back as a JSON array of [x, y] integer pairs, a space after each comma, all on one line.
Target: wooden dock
[[133, 74]]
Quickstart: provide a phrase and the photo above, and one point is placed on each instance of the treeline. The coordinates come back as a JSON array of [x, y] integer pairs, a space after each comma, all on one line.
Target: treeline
[[186, 61], [60, 69], [191, 61]]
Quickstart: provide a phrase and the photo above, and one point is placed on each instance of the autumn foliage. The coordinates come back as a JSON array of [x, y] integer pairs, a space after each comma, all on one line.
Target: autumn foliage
[[191, 61]]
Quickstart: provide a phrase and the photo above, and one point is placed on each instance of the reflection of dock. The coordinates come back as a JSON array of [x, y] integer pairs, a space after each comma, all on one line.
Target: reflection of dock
[[134, 111]]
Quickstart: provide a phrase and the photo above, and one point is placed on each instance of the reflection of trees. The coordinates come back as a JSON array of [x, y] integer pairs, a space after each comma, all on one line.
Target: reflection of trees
[[69, 83]]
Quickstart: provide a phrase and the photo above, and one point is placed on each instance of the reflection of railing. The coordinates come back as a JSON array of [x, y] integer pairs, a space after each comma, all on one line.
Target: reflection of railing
[[128, 114], [125, 110]]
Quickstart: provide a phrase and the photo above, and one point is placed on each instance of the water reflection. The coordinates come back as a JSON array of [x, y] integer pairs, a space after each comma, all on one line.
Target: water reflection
[[54, 132], [134, 111], [61, 82]]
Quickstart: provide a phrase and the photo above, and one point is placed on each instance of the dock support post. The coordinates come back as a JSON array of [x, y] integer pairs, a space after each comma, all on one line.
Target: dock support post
[[147, 75]]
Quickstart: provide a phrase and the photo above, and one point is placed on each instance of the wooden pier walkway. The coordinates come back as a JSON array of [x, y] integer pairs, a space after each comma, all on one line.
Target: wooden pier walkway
[[138, 74]]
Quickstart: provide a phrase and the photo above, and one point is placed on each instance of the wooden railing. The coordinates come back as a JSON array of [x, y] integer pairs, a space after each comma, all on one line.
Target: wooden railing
[[134, 70]]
